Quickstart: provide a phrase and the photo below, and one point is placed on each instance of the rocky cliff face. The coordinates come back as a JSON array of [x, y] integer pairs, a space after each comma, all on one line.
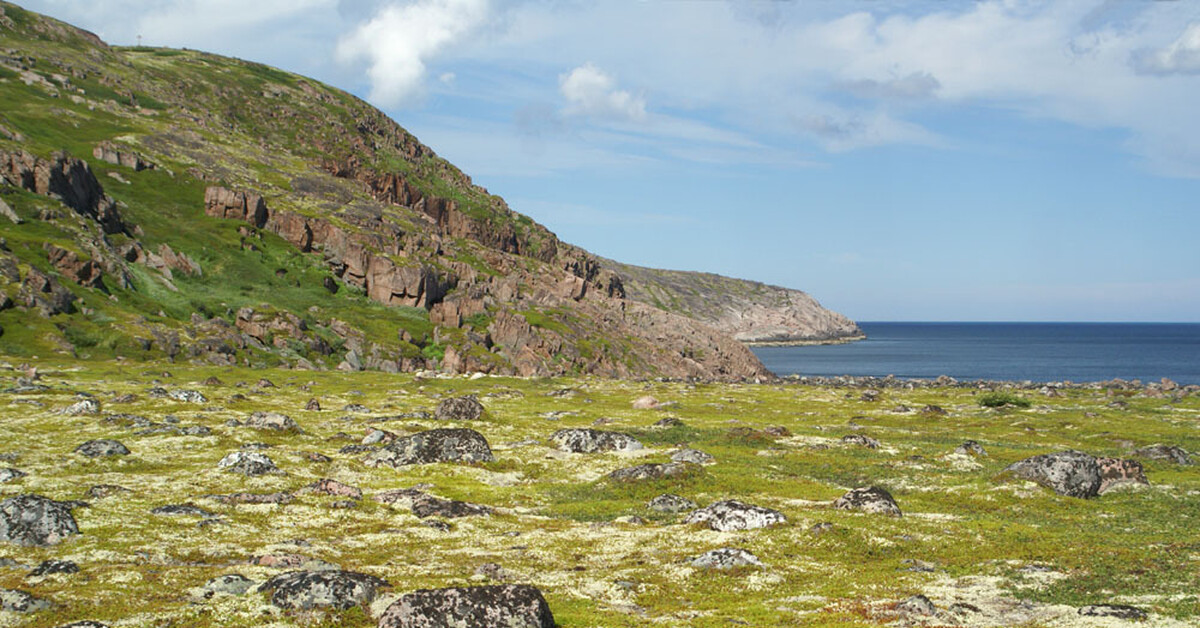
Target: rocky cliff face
[[281, 221]]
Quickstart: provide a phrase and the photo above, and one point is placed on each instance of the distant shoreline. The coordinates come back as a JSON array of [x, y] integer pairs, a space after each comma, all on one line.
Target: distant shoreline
[[804, 342]]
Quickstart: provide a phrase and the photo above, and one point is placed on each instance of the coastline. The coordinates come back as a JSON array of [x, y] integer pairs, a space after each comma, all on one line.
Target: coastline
[[805, 342]]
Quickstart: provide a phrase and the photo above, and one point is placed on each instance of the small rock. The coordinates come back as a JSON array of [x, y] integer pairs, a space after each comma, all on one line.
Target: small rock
[[306, 590], [100, 491], [189, 396], [669, 503], [917, 605], [87, 623], [964, 608], [102, 447], [970, 448], [313, 405], [374, 437], [465, 408], [725, 558], [1173, 453], [861, 440], [21, 602], [653, 471], [582, 440], [10, 474], [183, 510], [668, 422], [1118, 611], [1119, 472], [932, 410], [31, 520], [870, 499], [729, 515], [820, 528], [440, 445], [355, 407], [508, 605], [272, 421], [492, 571], [869, 394], [229, 584], [429, 506], [253, 498], [694, 456], [327, 486], [313, 456], [248, 463], [1069, 473], [84, 407], [265, 383], [645, 403], [49, 567]]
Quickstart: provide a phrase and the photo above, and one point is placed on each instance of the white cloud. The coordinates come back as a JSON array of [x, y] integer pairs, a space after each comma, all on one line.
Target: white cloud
[[840, 131], [592, 92], [401, 39], [915, 86], [1181, 57]]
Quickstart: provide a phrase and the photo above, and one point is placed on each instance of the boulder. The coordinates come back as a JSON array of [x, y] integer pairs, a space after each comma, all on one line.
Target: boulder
[[9, 474], [1172, 453], [69, 264], [970, 448], [652, 471], [31, 520], [645, 403], [307, 590], [729, 515], [440, 445], [16, 601], [465, 408], [272, 421], [861, 441], [229, 584], [1120, 472], [328, 486], [507, 605], [69, 179], [1069, 473], [182, 510], [725, 558], [694, 456], [583, 440], [870, 499], [102, 447], [429, 506], [82, 407], [109, 152], [87, 623], [49, 567], [248, 463], [189, 396], [916, 605], [669, 503]]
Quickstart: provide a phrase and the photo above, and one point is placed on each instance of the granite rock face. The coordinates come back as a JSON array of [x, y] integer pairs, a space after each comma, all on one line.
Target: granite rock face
[[505, 605], [1069, 473], [440, 445], [33, 520]]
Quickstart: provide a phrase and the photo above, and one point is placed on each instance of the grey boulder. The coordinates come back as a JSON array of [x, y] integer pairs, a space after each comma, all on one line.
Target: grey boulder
[[585, 440], [32, 520], [440, 445], [730, 515], [507, 605], [870, 499], [102, 447], [306, 590], [248, 463], [725, 558], [465, 408], [1069, 473], [17, 601], [669, 503]]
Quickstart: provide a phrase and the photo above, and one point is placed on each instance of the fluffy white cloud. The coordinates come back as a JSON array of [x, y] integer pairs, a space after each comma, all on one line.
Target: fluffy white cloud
[[592, 92], [401, 39], [1181, 57]]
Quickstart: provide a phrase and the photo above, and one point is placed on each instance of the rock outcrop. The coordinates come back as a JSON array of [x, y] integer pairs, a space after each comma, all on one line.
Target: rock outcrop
[[66, 178]]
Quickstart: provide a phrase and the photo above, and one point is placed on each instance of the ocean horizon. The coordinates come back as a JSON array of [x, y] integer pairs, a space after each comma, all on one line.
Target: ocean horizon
[[1003, 351]]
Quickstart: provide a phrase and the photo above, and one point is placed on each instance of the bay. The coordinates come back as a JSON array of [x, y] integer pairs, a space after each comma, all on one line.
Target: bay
[[1040, 352]]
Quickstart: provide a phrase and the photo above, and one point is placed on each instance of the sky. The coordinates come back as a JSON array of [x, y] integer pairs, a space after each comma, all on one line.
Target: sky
[[944, 160]]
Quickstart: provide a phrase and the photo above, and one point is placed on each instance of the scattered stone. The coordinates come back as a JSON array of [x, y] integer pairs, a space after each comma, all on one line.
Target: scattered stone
[[584, 440], [669, 503], [212, 380], [508, 605], [777, 431], [229, 584], [31, 520], [932, 410], [102, 447], [355, 407], [375, 437], [645, 403], [87, 623], [254, 498], [100, 491], [725, 558], [668, 422], [343, 504], [313, 405], [10, 474], [694, 456], [17, 601], [189, 396], [729, 515], [964, 608], [182, 510], [465, 408], [1069, 473], [440, 445], [970, 448], [82, 407], [248, 463], [313, 456], [492, 571], [869, 394], [652, 471], [861, 440], [429, 506], [272, 421], [917, 605], [327, 486], [870, 499], [1117, 611], [820, 528], [1116, 472], [437, 524], [125, 398], [306, 590], [917, 566], [49, 567], [265, 383], [1173, 453]]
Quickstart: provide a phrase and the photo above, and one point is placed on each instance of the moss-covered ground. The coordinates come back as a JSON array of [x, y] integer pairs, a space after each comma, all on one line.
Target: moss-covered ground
[[1015, 552]]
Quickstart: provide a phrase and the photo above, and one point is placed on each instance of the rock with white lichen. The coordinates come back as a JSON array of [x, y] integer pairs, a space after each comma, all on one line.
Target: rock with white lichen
[[869, 499], [725, 558], [249, 463], [33, 520], [307, 590], [507, 605], [440, 445], [584, 440], [729, 515]]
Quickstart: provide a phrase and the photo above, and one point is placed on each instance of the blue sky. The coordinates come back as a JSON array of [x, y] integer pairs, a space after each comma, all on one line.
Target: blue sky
[[1003, 160]]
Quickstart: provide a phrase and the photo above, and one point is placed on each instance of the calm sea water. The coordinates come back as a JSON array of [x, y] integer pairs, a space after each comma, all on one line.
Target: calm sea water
[[1041, 352]]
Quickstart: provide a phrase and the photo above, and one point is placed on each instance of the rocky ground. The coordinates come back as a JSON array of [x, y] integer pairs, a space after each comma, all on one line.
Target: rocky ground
[[142, 495]]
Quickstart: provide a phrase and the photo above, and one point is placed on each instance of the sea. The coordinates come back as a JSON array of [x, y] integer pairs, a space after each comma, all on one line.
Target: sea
[[1038, 352]]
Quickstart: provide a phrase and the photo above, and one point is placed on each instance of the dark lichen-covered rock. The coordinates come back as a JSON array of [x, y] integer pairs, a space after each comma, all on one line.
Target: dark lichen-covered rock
[[49, 567], [651, 471], [669, 503], [1069, 473], [1172, 453], [870, 499], [729, 515], [429, 506], [1116, 472], [306, 590], [248, 463], [1116, 611], [17, 601], [465, 408], [970, 448], [440, 445], [182, 510], [861, 441], [102, 447], [506, 605], [725, 558], [35, 520], [584, 440]]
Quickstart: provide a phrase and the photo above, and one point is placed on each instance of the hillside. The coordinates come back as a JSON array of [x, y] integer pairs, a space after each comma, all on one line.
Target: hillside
[[176, 204]]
